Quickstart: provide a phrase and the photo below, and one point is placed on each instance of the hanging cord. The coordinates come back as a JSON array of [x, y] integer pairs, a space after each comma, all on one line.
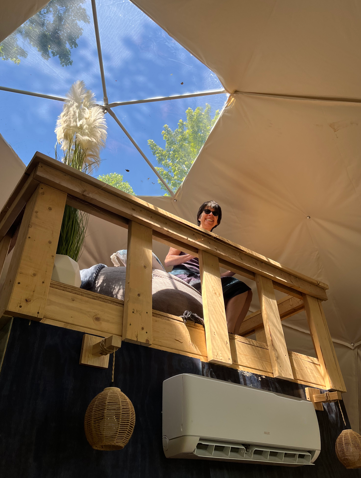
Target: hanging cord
[[113, 368], [343, 418]]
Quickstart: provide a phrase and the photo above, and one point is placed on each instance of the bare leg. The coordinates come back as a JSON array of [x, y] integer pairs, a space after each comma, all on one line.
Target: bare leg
[[236, 310]]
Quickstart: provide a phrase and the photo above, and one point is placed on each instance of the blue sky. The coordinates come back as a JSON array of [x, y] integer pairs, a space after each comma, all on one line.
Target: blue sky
[[140, 61]]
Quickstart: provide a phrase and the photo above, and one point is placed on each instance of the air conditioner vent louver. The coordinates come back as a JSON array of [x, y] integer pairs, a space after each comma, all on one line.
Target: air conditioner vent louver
[[244, 452]]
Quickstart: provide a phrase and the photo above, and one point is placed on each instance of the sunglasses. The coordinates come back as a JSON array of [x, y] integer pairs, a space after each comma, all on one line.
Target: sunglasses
[[208, 211]]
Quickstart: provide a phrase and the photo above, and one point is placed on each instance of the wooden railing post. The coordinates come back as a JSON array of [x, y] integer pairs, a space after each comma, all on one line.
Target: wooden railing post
[[217, 339], [323, 344], [277, 347], [137, 319], [27, 283]]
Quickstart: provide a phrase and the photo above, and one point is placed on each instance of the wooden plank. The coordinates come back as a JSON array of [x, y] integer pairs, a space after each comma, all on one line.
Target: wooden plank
[[81, 308], [327, 397], [171, 242], [323, 344], [4, 272], [64, 325], [251, 275], [310, 393], [286, 307], [97, 211], [288, 290], [27, 283], [4, 247], [217, 340], [175, 228], [261, 335], [88, 357], [137, 323], [95, 314], [252, 354], [85, 178], [273, 328], [306, 369], [16, 203], [172, 335]]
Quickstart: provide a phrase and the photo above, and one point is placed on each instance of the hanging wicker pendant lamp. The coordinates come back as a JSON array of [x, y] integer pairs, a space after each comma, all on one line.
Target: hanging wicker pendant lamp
[[109, 419], [348, 446], [348, 449]]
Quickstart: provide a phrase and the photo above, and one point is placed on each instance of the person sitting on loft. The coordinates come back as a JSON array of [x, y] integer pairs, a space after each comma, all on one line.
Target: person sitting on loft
[[237, 295]]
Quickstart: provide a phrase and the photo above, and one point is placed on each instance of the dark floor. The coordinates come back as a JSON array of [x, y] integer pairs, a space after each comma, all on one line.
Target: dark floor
[[44, 394]]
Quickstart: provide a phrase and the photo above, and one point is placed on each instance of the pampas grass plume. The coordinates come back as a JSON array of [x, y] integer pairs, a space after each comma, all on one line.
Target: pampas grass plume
[[81, 129]]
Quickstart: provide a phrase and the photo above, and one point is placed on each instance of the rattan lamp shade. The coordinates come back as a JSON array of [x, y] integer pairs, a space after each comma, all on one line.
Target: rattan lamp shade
[[109, 420], [348, 449]]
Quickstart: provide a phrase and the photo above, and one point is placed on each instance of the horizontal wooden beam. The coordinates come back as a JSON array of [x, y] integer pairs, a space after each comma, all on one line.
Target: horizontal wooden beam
[[287, 307], [85, 311], [88, 189], [96, 211]]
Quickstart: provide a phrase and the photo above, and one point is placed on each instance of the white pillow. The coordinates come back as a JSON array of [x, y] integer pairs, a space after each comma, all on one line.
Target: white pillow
[[119, 259]]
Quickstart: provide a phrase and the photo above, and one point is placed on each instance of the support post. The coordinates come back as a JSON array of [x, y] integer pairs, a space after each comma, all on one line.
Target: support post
[[217, 339], [26, 286], [261, 335], [277, 347], [322, 342], [137, 321], [4, 247]]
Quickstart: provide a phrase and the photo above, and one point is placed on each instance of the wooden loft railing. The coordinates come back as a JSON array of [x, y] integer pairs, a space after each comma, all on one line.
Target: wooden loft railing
[[36, 209]]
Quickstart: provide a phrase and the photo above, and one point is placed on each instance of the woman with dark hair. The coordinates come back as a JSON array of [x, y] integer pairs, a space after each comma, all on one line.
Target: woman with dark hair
[[237, 295]]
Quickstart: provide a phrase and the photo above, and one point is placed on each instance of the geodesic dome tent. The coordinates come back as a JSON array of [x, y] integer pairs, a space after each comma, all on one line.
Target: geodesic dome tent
[[283, 160]]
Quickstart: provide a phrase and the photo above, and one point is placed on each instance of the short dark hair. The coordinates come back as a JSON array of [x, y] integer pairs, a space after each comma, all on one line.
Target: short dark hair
[[214, 206]]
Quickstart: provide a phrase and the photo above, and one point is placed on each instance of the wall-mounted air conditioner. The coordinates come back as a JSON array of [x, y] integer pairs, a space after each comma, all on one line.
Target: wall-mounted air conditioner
[[210, 419]]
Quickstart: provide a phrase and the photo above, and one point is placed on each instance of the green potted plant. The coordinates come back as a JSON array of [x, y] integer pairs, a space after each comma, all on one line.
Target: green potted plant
[[81, 133]]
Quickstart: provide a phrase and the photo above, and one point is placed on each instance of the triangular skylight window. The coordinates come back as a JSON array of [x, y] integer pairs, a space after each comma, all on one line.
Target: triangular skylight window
[[138, 60]]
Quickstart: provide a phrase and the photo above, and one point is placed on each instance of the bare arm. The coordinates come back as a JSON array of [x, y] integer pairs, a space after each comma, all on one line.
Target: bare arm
[[228, 274], [174, 258]]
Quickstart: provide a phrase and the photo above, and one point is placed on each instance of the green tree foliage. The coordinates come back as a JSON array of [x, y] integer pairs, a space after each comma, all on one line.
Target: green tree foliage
[[182, 145], [53, 31], [116, 180]]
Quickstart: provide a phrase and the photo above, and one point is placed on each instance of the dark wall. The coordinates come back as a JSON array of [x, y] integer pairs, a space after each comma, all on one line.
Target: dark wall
[[44, 394]]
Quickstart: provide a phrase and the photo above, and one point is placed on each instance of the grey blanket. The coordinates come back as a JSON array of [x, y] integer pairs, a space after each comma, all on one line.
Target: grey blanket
[[170, 294]]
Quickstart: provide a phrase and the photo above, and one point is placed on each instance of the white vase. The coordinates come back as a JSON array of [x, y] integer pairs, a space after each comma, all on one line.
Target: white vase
[[66, 270]]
